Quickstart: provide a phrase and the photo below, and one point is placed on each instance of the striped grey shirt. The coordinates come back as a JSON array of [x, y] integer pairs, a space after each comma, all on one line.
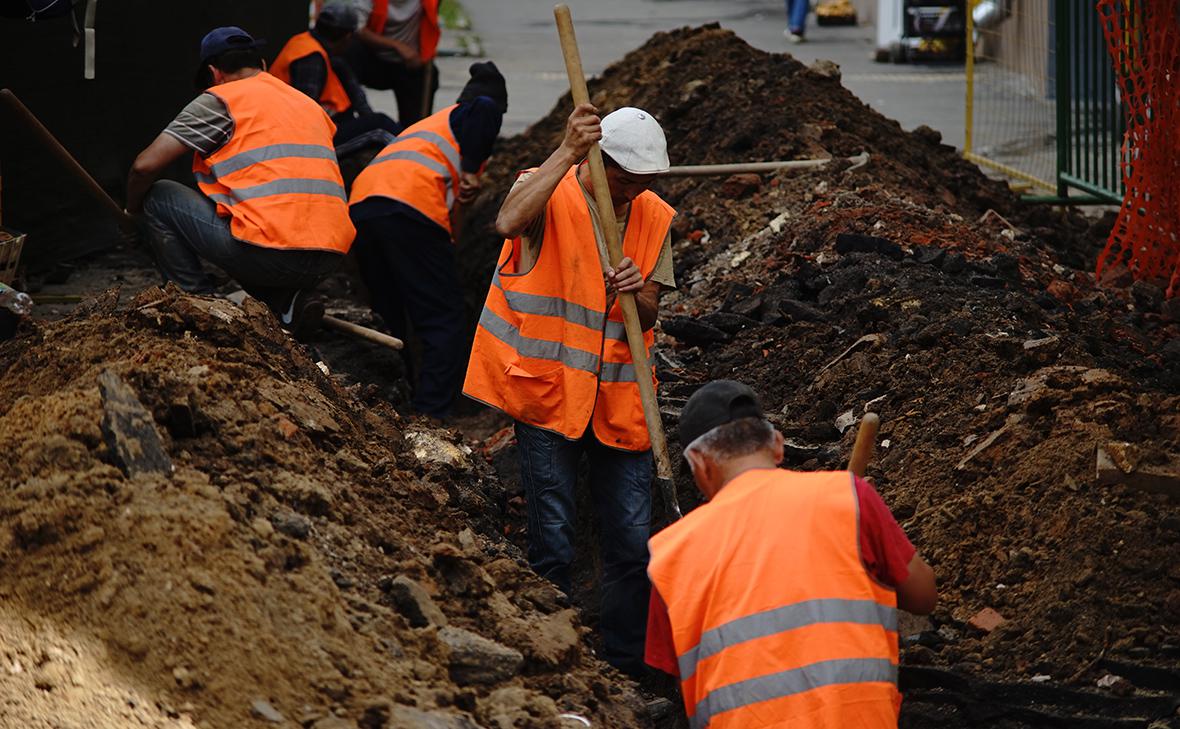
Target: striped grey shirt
[[203, 126]]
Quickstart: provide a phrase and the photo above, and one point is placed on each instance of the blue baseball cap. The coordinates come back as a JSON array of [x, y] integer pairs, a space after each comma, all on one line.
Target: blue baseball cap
[[218, 41]]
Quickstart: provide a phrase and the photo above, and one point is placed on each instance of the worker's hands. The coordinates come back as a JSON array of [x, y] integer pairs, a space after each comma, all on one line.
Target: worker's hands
[[131, 229], [625, 278], [582, 129], [469, 185]]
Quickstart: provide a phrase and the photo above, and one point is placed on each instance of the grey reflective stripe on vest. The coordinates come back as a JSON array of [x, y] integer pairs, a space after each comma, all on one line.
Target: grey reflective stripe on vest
[[780, 620], [617, 372], [615, 330], [286, 186], [550, 306], [437, 140], [242, 160], [794, 681], [537, 348], [434, 165]]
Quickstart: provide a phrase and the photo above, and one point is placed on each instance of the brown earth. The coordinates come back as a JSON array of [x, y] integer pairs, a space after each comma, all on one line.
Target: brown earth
[[997, 364], [262, 569]]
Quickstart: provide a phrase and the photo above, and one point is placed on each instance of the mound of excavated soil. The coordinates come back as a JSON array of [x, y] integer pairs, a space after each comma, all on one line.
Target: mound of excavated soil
[[999, 368], [309, 561]]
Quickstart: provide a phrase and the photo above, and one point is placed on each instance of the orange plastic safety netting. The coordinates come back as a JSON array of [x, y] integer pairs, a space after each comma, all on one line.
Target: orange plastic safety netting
[[1143, 37]]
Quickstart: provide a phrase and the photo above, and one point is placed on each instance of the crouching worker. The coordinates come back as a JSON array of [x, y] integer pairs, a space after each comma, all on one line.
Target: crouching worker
[[775, 603], [271, 211], [406, 204]]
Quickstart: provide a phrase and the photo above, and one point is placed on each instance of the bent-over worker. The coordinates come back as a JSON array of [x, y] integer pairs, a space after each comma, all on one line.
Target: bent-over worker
[[775, 603], [271, 211], [395, 50], [312, 62], [405, 205], [551, 351]]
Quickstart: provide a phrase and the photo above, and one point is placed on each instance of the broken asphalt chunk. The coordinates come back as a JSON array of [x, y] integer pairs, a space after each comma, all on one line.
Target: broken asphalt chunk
[[129, 431]]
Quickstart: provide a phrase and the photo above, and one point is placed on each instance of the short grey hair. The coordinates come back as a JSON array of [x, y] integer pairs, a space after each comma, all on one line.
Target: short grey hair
[[734, 439]]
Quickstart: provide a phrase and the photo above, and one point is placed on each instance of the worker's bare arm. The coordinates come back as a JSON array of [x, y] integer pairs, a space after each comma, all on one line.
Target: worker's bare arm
[[376, 40], [918, 594], [152, 161], [526, 201]]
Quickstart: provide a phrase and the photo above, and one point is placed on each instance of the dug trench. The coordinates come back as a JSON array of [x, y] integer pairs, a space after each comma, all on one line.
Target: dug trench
[[315, 559]]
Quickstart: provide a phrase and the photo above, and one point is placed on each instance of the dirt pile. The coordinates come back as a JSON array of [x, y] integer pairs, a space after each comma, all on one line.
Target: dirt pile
[[920, 289], [308, 562]]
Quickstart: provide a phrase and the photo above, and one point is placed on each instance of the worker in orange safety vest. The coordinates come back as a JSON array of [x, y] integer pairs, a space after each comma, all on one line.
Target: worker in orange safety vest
[[395, 50], [775, 603], [405, 205], [313, 62], [271, 210], [551, 351]]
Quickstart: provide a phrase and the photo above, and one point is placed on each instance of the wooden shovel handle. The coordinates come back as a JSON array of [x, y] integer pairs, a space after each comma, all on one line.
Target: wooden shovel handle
[[866, 440], [610, 230]]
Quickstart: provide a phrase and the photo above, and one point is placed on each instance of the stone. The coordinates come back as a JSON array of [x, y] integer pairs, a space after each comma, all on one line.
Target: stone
[[693, 331], [475, 659], [263, 710], [825, 68], [129, 430], [1147, 296], [405, 717], [929, 255], [414, 603], [740, 185], [334, 722], [293, 525], [262, 527], [798, 311], [429, 447], [287, 429], [1119, 463], [986, 620], [728, 322]]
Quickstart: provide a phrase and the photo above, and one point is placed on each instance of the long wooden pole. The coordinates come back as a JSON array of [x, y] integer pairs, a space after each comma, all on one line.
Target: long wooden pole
[[366, 333], [610, 231], [734, 168], [67, 160]]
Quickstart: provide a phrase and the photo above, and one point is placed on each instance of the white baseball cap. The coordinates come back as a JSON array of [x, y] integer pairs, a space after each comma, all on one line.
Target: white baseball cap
[[633, 138]]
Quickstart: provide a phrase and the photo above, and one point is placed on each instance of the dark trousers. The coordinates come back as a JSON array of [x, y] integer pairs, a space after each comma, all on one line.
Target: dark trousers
[[408, 265], [620, 488], [184, 229], [406, 83]]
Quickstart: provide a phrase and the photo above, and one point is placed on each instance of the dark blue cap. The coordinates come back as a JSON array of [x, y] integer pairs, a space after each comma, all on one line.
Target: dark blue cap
[[218, 41]]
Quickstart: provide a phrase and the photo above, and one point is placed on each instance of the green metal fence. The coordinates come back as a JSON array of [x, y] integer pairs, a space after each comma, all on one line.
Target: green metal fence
[[1090, 118]]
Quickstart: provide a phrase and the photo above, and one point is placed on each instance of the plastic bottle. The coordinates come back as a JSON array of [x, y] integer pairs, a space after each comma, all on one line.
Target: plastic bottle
[[18, 302]]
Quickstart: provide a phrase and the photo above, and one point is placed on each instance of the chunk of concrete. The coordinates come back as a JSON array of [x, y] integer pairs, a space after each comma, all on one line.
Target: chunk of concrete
[[129, 430], [477, 660], [412, 601]]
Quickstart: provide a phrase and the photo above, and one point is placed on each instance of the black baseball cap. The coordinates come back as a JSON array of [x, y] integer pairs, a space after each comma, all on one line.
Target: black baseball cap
[[218, 41], [338, 15], [717, 403]]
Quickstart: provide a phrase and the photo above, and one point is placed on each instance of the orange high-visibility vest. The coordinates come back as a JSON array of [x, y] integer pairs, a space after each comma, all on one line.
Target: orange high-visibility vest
[[428, 31], [546, 350], [420, 168], [333, 97], [277, 178], [775, 620]]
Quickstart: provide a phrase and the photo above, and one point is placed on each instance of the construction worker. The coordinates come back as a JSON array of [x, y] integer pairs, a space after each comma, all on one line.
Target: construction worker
[[271, 211], [396, 49], [312, 62], [405, 205], [775, 603], [551, 351]]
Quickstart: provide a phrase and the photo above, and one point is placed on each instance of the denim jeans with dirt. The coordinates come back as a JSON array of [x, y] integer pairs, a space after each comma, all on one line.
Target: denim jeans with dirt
[[620, 489]]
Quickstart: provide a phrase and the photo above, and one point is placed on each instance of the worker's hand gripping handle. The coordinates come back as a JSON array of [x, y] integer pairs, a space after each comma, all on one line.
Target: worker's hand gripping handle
[[866, 440], [606, 212]]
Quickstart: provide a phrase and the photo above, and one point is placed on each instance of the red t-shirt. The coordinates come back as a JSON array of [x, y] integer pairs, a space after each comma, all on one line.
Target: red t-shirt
[[884, 548]]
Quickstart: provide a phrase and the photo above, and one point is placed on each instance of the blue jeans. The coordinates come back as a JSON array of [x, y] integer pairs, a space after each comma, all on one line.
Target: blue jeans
[[184, 228], [797, 15], [620, 488]]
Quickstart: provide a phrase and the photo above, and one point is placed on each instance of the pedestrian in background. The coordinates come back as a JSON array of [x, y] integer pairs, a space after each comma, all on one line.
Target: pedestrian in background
[[797, 20]]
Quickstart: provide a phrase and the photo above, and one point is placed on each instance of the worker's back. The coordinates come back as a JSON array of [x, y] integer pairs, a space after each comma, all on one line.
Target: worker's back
[[775, 620]]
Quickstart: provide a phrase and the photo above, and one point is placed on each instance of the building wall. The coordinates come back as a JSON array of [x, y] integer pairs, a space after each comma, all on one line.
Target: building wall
[[146, 56]]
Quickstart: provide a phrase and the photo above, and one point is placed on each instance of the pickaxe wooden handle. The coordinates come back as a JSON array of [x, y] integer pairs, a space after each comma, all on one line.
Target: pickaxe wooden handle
[[866, 440], [610, 230]]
